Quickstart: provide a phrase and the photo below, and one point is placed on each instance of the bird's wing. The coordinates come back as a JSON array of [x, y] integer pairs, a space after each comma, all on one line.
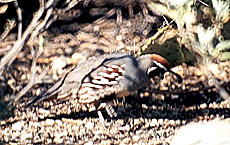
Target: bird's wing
[[74, 78]]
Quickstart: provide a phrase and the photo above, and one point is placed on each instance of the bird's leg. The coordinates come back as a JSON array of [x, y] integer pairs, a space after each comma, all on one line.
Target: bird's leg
[[109, 109]]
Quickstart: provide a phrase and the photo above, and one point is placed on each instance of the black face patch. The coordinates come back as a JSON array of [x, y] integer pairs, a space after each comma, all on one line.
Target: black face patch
[[158, 70]]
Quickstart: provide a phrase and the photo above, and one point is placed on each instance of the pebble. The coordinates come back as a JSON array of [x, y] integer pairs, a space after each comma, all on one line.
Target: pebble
[[172, 122], [26, 136], [59, 63], [215, 69], [178, 122], [136, 138], [17, 126], [198, 73], [203, 106], [10, 82], [58, 140], [89, 125], [49, 122], [76, 58], [160, 121]]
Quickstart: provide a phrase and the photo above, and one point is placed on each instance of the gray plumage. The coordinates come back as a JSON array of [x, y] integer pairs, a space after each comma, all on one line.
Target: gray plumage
[[102, 76]]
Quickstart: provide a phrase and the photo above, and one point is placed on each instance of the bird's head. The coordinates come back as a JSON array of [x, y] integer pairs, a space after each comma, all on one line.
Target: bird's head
[[158, 66]]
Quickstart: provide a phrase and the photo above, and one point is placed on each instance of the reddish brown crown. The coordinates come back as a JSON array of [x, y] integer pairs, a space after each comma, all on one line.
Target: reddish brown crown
[[160, 59]]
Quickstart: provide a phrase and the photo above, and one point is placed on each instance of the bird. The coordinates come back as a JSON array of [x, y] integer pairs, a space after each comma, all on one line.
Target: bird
[[99, 77]]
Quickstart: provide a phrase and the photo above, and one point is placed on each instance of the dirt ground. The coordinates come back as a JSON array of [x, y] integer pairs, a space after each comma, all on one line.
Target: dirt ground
[[150, 116]]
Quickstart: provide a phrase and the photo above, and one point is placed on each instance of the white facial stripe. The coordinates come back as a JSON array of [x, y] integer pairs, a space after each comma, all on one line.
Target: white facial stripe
[[151, 69], [160, 65]]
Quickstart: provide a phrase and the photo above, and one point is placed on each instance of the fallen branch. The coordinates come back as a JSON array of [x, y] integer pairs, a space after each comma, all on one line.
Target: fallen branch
[[33, 77], [19, 13], [10, 24], [12, 54]]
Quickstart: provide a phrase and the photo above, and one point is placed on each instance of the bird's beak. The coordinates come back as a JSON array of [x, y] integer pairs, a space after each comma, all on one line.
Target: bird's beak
[[179, 78]]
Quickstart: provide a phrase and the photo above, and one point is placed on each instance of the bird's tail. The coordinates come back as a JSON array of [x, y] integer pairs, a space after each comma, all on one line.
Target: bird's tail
[[35, 100]]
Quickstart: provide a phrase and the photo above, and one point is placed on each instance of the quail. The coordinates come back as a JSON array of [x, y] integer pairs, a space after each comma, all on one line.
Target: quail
[[119, 74]]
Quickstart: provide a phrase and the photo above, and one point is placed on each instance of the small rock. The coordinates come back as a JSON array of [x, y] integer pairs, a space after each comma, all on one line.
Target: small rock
[[17, 126], [89, 143], [89, 125], [203, 106], [136, 138], [198, 73], [160, 121], [119, 37], [10, 82], [58, 140], [59, 63], [153, 123], [25, 136], [49, 122], [77, 57], [172, 122]]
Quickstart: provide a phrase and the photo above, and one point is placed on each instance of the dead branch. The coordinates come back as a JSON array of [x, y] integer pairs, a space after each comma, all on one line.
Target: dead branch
[[19, 13], [71, 4], [41, 25], [10, 24], [12, 54], [33, 71]]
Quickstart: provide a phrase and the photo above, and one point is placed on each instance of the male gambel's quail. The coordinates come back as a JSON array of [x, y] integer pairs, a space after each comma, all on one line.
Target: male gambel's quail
[[118, 74]]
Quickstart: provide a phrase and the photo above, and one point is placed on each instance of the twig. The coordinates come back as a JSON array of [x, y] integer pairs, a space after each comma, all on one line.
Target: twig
[[203, 3], [71, 4], [152, 39], [10, 24], [3, 50], [54, 18], [19, 13], [41, 24], [166, 20], [12, 54], [33, 70]]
